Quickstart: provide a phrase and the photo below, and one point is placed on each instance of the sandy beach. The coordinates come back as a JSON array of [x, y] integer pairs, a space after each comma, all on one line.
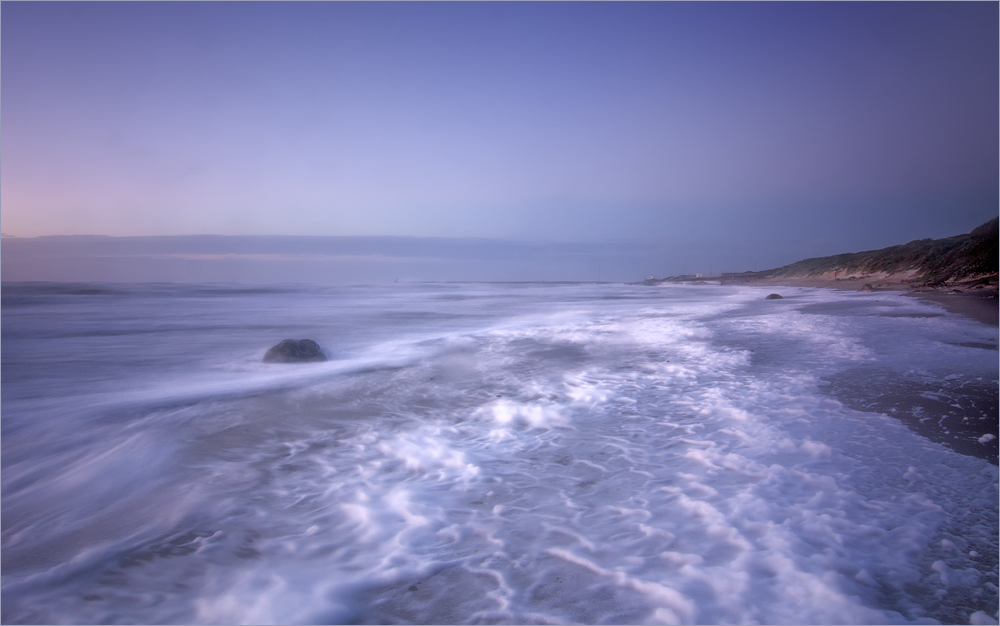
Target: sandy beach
[[978, 302], [902, 399]]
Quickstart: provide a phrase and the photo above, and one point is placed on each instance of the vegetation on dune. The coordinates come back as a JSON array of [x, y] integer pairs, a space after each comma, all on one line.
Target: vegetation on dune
[[931, 260]]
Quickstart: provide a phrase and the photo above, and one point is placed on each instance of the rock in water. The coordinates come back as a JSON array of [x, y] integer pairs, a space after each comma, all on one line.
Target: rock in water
[[866, 287], [292, 351], [774, 296]]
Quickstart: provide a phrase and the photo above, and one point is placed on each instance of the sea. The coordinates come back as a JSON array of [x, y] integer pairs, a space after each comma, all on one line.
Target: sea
[[521, 453]]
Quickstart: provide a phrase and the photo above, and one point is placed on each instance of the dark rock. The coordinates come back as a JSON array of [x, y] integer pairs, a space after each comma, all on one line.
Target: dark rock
[[292, 351], [774, 296], [866, 287]]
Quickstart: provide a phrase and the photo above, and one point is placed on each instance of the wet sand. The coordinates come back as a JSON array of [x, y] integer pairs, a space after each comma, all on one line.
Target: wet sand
[[956, 417], [975, 301], [954, 413], [980, 305]]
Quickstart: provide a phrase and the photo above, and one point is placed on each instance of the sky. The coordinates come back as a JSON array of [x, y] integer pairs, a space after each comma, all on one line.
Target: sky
[[828, 127]]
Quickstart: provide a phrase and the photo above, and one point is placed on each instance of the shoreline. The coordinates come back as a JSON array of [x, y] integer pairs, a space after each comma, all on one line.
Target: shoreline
[[977, 302], [981, 307], [904, 399]]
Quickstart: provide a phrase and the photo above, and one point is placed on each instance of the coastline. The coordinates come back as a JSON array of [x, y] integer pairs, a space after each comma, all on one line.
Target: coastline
[[977, 302], [979, 305], [907, 400]]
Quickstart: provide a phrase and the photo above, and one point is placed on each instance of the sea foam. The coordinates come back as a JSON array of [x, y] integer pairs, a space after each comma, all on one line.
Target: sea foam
[[489, 453]]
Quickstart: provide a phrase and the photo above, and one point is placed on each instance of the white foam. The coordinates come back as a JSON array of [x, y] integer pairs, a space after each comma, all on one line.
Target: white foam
[[667, 459]]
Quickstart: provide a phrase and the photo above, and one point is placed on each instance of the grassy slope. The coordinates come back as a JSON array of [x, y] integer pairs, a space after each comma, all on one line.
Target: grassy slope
[[933, 260]]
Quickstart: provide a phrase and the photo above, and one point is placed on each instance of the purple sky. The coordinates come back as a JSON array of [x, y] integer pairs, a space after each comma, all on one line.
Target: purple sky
[[859, 125]]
